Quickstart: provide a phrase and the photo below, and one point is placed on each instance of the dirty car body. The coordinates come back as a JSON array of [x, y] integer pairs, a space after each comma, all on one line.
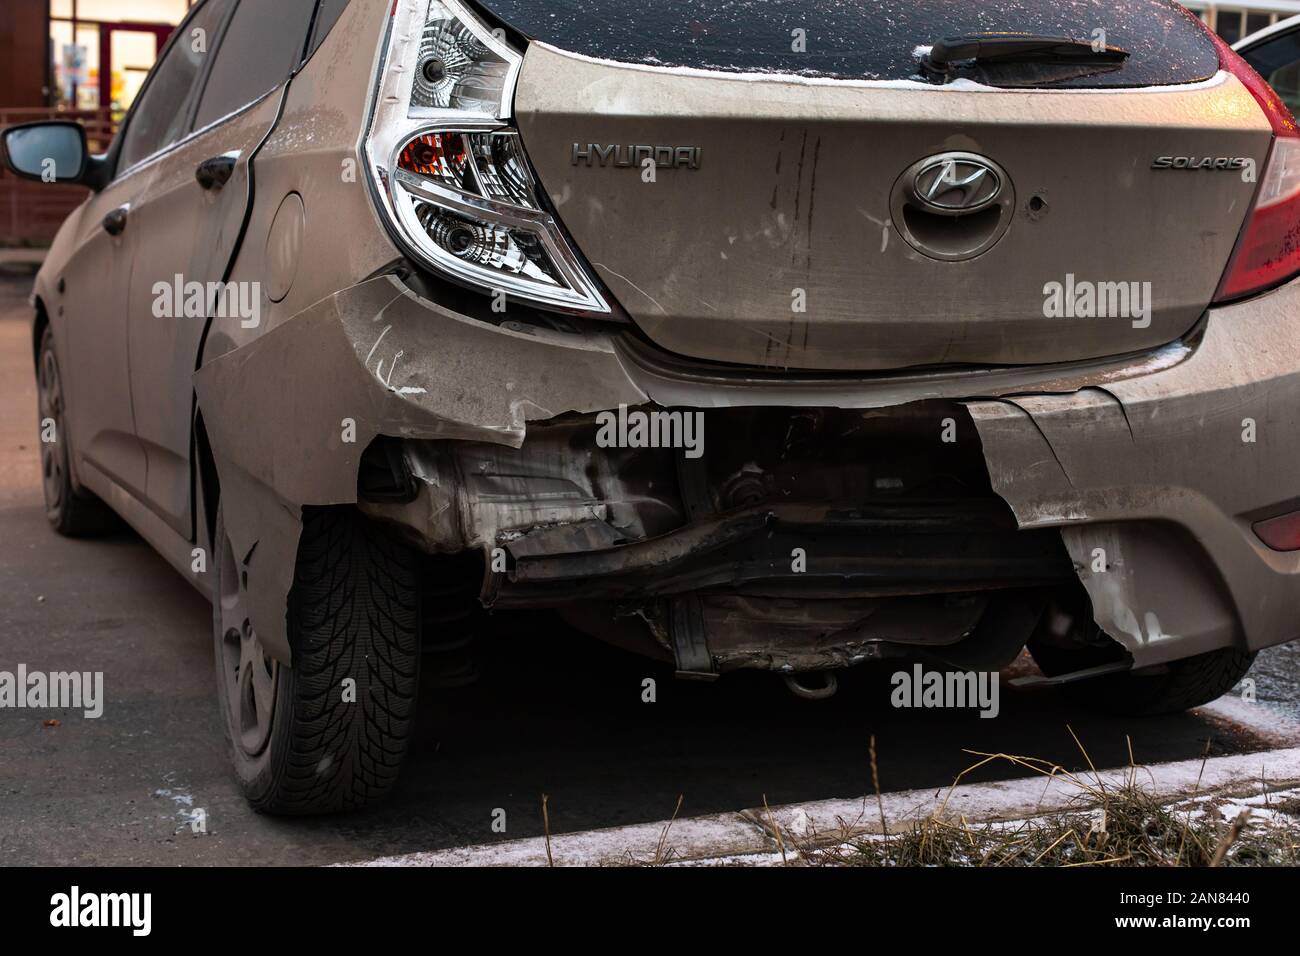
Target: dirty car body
[[742, 344]]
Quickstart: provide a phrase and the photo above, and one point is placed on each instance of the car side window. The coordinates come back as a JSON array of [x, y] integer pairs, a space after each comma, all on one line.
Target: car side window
[[1277, 59], [326, 16], [161, 114], [262, 45]]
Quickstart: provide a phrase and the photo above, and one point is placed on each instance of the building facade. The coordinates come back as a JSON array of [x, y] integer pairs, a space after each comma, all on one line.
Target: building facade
[[81, 54], [1233, 21], [75, 59], [101, 50]]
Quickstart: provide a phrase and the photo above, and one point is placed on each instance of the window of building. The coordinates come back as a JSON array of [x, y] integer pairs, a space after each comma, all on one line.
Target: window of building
[[133, 11], [1256, 22], [132, 54], [1229, 24], [1237, 20], [117, 42]]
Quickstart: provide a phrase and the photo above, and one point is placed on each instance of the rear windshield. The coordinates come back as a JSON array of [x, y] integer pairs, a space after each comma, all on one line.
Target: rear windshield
[[866, 39]]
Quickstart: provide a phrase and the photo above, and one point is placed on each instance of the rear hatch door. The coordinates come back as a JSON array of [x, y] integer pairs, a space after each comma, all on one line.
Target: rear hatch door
[[835, 210]]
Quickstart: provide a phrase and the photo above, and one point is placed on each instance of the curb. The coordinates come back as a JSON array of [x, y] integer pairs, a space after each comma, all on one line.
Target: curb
[[748, 838]]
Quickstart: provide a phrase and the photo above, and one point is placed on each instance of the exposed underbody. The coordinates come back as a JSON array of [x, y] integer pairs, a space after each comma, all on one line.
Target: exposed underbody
[[949, 516]]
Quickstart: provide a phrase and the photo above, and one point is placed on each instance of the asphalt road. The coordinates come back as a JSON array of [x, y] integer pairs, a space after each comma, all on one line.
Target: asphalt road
[[554, 713]]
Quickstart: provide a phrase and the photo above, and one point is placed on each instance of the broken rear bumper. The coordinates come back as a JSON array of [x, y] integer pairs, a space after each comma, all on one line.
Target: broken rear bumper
[[1142, 460], [1157, 479]]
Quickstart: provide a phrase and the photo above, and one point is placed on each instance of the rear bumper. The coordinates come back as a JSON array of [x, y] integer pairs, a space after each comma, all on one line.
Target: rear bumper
[[1158, 479], [1143, 459]]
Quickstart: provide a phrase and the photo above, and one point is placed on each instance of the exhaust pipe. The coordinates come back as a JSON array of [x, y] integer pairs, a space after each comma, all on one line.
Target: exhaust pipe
[[830, 684]]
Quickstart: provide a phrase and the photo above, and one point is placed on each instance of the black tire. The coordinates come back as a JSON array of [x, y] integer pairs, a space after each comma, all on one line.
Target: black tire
[[71, 511], [353, 615], [1169, 689]]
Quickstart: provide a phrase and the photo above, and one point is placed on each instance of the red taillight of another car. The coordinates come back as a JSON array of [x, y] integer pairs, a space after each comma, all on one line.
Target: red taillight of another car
[[1268, 249]]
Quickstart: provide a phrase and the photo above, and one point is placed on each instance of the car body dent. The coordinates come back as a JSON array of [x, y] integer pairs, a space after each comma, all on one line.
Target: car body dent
[[381, 361], [180, 230], [1101, 456], [1172, 447], [311, 154]]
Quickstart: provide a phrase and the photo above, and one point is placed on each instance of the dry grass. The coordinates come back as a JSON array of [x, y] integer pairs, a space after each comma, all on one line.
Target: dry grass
[[1130, 828], [1105, 825]]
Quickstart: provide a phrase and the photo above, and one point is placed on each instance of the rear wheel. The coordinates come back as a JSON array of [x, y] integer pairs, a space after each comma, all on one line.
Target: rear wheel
[[71, 512], [330, 732]]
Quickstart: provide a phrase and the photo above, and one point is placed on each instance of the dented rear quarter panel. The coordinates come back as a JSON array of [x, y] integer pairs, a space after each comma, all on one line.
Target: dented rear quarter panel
[[311, 154]]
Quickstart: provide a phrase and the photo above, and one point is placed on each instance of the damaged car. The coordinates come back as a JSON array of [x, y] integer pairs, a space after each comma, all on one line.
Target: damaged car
[[783, 336]]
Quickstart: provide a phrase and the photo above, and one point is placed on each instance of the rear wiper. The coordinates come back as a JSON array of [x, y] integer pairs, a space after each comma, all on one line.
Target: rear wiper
[[944, 57]]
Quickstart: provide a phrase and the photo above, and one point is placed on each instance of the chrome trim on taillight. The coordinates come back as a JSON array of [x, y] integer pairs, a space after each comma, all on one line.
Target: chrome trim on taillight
[[440, 53]]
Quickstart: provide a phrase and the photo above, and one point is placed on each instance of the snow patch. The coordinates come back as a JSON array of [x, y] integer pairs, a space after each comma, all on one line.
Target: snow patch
[[958, 85]]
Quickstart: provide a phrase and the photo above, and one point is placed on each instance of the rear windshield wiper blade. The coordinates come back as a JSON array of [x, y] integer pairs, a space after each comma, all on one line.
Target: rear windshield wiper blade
[[974, 48]]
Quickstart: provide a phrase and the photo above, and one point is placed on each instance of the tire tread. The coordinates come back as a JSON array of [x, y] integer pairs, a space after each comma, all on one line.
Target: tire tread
[[353, 613]]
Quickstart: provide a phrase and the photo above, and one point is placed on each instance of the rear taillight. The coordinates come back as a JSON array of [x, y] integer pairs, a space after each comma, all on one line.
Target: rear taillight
[[1268, 249], [449, 171]]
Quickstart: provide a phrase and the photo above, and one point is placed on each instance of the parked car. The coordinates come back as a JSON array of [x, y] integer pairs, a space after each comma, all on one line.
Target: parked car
[[1274, 52], [781, 338]]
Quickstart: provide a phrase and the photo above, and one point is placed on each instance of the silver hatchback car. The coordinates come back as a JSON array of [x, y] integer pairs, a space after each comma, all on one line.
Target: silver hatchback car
[[781, 337]]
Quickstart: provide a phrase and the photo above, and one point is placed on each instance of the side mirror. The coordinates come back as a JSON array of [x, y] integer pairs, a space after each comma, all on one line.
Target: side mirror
[[52, 152]]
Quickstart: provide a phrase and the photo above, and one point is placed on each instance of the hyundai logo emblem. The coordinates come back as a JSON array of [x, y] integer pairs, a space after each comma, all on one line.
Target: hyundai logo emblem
[[956, 183]]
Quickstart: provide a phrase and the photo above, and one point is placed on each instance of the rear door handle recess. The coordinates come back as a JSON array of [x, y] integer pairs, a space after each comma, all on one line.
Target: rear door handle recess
[[115, 221], [215, 172]]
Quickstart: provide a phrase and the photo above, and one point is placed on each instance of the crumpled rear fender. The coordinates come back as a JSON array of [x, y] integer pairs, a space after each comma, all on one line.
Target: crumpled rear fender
[[290, 413], [1155, 481]]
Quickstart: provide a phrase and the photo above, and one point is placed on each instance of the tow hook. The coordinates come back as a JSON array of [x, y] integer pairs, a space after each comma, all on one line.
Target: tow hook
[[826, 691]]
